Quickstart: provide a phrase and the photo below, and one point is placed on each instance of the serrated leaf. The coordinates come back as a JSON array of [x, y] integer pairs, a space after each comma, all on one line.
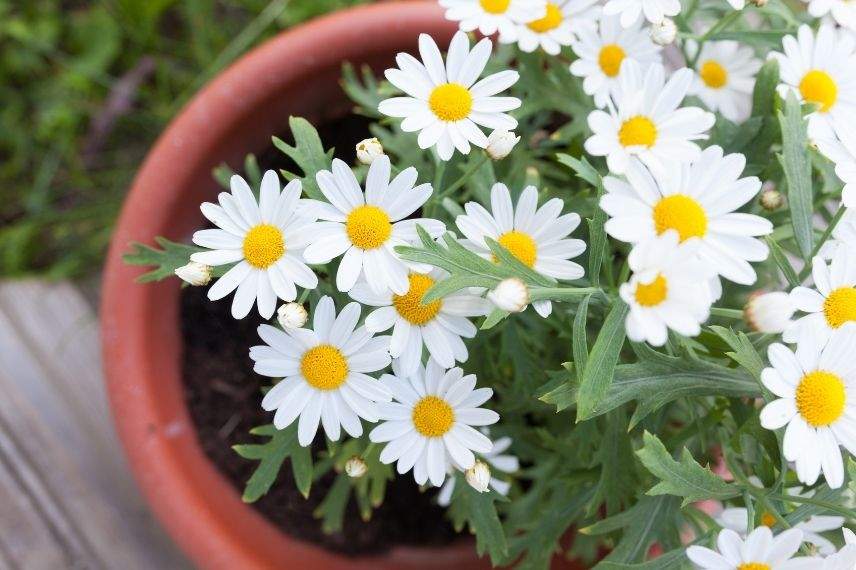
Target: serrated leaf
[[281, 445], [597, 235], [600, 367], [651, 519], [744, 352], [479, 511], [166, 260], [797, 168], [684, 478], [331, 511], [672, 560], [307, 152]]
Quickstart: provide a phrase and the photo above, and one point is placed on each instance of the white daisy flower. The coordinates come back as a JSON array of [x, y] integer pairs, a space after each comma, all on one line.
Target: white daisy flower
[[840, 148], [725, 78], [430, 422], [444, 102], [497, 459], [265, 238], [842, 11], [821, 69], [537, 237], [323, 373], [697, 200], [737, 519], [492, 16], [832, 304], [439, 325], [367, 227], [559, 26], [843, 234], [849, 536], [630, 10], [816, 387], [601, 51], [668, 289], [844, 559], [645, 120], [760, 551]]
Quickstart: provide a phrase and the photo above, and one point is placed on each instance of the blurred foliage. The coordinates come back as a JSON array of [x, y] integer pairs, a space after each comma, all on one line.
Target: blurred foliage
[[85, 88]]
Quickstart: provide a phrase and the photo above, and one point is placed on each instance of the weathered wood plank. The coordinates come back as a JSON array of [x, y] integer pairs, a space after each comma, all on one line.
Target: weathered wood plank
[[59, 440]]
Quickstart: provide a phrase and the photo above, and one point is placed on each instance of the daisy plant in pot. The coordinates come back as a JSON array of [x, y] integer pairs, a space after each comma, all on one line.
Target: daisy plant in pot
[[589, 282]]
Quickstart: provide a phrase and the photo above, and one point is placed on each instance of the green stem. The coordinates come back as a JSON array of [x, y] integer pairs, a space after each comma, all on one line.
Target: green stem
[[844, 511], [464, 177], [727, 313], [564, 293], [826, 234]]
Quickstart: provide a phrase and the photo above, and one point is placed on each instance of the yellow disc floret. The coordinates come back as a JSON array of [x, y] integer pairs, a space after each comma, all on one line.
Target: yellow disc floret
[[754, 566], [263, 246], [551, 20], [610, 59], [433, 416], [410, 306], [368, 227], [495, 6], [682, 213], [821, 398], [520, 245], [324, 367], [653, 293], [840, 307], [638, 131], [768, 520], [818, 87], [713, 74], [450, 102]]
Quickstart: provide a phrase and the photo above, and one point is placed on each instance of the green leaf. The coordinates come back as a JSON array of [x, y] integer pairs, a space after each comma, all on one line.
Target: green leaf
[[744, 352], [363, 89], [617, 484], [597, 235], [580, 341], [764, 93], [684, 478], [797, 167], [307, 152], [672, 560], [281, 445], [478, 511], [331, 511], [166, 260], [600, 368], [782, 262], [651, 519]]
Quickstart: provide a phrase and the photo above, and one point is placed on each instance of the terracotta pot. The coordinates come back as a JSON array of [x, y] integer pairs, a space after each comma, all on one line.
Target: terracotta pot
[[296, 73]]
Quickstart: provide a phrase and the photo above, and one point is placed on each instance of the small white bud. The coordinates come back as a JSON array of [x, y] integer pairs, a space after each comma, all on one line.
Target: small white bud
[[195, 273], [500, 143], [355, 467], [291, 316], [368, 150], [478, 476], [771, 199], [759, 3], [769, 312], [664, 33], [510, 295]]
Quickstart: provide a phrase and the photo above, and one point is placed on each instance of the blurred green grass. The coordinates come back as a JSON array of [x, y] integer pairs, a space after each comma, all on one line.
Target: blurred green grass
[[85, 88]]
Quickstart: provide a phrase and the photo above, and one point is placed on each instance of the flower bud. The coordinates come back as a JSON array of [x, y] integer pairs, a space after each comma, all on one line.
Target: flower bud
[[759, 3], [368, 150], [195, 273], [355, 467], [291, 316], [664, 33], [500, 144], [769, 312], [510, 295], [771, 199], [478, 476]]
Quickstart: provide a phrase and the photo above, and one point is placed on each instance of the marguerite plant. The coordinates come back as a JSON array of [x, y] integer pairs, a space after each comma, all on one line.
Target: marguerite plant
[[683, 393]]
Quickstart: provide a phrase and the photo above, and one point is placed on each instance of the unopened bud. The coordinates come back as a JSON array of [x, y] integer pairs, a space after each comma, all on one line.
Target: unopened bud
[[769, 312], [664, 33], [291, 316], [195, 273], [355, 467], [771, 199], [500, 144], [510, 295], [368, 150], [478, 476], [759, 3]]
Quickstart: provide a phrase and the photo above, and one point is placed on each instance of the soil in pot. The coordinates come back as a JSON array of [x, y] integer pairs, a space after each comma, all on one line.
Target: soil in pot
[[223, 396]]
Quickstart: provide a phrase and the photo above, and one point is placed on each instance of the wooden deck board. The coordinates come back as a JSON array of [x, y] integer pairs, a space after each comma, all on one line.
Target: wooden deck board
[[67, 498]]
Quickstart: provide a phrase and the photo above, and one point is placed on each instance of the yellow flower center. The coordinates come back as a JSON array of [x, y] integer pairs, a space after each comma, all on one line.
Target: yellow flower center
[[818, 87], [637, 131], [682, 213], [653, 293], [550, 21], [520, 245], [410, 306], [610, 58], [450, 102], [432, 416], [840, 306], [754, 566], [821, 398], [324, 367], [768, 520], [263, 246], [713, 74], [495, 6], [368, 227]]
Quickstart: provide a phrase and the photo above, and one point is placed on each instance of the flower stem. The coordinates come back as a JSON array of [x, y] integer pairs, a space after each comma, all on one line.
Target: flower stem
[[464, 177], [823, 239], [727, 313]]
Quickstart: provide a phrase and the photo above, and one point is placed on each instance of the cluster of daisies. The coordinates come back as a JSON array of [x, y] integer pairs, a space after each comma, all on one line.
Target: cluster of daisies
[[390, 359]]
